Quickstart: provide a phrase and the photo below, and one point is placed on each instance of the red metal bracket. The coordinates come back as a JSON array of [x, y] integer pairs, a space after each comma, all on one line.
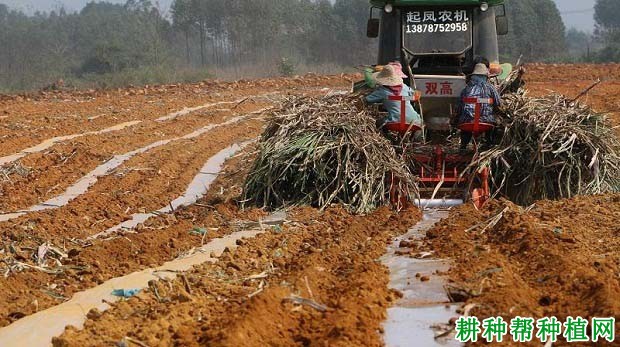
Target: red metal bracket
[[402, 127], [477, 127]]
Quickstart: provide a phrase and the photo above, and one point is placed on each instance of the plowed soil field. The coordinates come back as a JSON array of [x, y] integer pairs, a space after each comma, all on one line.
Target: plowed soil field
[[77, 168]]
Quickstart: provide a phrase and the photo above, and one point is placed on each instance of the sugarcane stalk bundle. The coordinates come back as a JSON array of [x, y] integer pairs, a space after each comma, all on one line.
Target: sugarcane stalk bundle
[[324, 150], [551, 148]]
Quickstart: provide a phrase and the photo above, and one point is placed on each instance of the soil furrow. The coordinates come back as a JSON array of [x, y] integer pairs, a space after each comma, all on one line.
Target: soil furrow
[[31, 120], [28, 130], [42, 176], [196, 189], [315, 279], [53, 141], [553, 259], [140, 185], [160, 239], [44, 145], [53, 321]]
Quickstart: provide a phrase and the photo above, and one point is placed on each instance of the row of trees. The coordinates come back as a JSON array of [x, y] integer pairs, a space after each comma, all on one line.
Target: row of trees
[[324, 31], [103, 38], [536, 31], [602, 45], [114, 44], [259, 32], [607, 16], [135, 43]]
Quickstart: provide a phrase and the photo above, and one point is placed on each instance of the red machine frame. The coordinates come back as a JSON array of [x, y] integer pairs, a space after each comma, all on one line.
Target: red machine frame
[[446, 166]]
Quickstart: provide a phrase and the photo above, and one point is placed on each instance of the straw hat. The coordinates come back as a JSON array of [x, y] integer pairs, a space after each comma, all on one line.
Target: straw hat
[[398, 69], [481, 69], [388, 77]]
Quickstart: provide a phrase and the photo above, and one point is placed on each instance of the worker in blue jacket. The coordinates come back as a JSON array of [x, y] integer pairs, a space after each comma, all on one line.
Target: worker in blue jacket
[[478, 87], [389, 81]]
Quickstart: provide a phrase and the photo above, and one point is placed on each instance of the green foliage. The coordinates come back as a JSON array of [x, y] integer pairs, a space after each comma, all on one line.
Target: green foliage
[[109, 44], [608, 29], [611, 51], [286, 67], [102, 39], [580, 46], [139, 76], [536, 31], [607, 14], [105, 41]]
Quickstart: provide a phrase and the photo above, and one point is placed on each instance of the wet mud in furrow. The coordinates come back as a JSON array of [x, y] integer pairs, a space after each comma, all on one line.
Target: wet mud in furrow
[[316, 278], [41, 176], [158, 240], [554, 258]]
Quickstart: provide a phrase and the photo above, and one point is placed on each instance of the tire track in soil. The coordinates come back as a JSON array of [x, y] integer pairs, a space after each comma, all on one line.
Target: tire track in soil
[[158, 240], [247, 297], [49, 173]]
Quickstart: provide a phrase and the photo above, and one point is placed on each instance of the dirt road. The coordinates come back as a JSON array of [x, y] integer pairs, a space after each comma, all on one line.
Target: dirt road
[[314, 280]]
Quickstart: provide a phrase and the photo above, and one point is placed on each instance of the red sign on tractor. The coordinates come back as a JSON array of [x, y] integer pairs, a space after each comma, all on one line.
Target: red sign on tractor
[[446, 86], [431, 88]]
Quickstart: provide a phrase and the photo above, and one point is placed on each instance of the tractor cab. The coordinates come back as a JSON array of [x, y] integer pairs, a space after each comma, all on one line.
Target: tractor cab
[[438, 43]]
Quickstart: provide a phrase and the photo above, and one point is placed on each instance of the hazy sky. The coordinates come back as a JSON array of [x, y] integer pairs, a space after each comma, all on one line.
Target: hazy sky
[[576, 13]]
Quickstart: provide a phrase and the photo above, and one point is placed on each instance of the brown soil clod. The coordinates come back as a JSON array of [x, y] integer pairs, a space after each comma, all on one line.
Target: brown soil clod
[[523, 265], [313, 280], [338, 289]]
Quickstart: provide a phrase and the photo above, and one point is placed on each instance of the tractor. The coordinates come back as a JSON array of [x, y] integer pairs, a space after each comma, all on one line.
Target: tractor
[[438, 43]]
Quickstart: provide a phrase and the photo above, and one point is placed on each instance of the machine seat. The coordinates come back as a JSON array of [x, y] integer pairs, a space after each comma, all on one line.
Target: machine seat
[[476, 128], [402, 128]]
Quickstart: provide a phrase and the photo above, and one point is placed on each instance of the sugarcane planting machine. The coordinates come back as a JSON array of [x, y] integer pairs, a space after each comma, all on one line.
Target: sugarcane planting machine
[[438, 43]]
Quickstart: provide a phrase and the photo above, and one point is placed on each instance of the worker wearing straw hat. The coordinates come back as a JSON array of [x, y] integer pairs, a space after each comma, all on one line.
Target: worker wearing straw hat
[[389, 82], [478, 87]]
